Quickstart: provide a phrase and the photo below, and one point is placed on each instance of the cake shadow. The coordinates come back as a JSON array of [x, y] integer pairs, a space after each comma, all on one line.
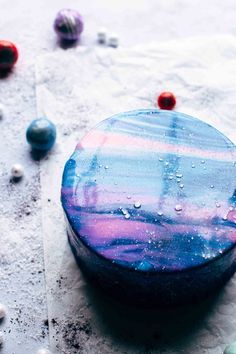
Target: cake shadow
[[142, 329]]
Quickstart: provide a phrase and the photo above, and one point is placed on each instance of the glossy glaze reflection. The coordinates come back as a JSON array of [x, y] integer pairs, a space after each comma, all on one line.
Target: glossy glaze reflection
[[152, 191]]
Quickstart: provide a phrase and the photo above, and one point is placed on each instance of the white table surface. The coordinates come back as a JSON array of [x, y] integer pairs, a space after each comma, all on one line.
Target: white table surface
[[22, 285]]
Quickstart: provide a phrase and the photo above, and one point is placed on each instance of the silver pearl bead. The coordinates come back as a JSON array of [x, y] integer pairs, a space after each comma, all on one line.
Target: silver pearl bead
[[102, 36], [113, 40], [17, 171]]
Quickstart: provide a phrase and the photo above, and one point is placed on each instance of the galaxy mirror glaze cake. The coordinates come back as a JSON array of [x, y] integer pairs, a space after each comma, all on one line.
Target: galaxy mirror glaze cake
[[149, 197]]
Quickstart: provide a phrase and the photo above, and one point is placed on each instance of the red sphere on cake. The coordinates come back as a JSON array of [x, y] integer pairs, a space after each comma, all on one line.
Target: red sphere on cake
[[166, 100], [8, 54]]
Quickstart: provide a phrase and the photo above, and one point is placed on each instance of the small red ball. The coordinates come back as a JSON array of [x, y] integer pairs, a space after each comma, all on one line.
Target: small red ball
[[166, 100], [8, 54]]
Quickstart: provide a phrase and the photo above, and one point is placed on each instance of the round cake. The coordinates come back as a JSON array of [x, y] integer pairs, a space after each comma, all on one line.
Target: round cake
[[150, 200]]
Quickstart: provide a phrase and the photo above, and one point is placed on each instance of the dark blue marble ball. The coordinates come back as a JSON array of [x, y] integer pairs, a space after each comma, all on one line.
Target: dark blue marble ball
[[41, 134]]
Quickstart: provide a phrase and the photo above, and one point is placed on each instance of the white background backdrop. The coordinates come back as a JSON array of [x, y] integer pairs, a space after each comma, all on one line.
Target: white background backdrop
[[22, 282]]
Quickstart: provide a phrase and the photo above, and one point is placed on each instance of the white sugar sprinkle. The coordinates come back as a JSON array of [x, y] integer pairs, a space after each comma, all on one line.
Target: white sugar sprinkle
[[3, 311]]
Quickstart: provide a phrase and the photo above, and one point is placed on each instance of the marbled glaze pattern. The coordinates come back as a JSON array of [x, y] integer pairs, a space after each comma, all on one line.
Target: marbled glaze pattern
[[153, 190]]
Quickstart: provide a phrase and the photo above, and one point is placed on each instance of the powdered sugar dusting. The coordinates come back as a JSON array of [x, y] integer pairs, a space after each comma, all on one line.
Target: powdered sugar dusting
[[81, 88]]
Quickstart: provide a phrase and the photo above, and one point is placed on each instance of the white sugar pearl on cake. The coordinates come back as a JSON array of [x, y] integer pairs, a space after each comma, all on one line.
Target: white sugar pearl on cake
[[1, 338], [3, 311], [102, 35], [17, 170], [113, 40]]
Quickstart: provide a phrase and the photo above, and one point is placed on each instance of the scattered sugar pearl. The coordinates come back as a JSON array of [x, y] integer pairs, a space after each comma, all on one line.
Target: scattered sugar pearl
[[17, 171], [178, 207], [124, 211], [102, 36], [3, 311], [1, 111], [137, 205], [1, 338], [43, 351], [113, 40]]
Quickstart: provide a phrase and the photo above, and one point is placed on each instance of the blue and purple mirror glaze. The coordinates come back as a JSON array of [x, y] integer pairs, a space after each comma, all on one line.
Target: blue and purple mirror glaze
[[150, 201]]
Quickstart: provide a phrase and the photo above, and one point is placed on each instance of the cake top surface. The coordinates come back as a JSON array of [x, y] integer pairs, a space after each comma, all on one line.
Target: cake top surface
[[153, 190]]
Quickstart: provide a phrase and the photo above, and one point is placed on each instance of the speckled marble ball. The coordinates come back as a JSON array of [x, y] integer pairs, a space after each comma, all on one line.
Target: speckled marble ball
[[230, 349], [41, 134], [68, 25], [8, 54]]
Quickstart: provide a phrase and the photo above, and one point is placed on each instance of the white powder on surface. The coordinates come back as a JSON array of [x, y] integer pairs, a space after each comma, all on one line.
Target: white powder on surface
[[22, 287], [3, 311], [78, 88]]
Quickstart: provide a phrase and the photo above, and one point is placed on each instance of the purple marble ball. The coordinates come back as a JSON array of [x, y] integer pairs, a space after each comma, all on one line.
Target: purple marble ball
[[68, 25]]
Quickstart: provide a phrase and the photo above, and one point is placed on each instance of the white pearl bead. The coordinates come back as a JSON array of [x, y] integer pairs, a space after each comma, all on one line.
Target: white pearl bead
[[102, 35], [3, 311], [113, 40], [17, 170], [1, 111], [43, 351], [1, 338]]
